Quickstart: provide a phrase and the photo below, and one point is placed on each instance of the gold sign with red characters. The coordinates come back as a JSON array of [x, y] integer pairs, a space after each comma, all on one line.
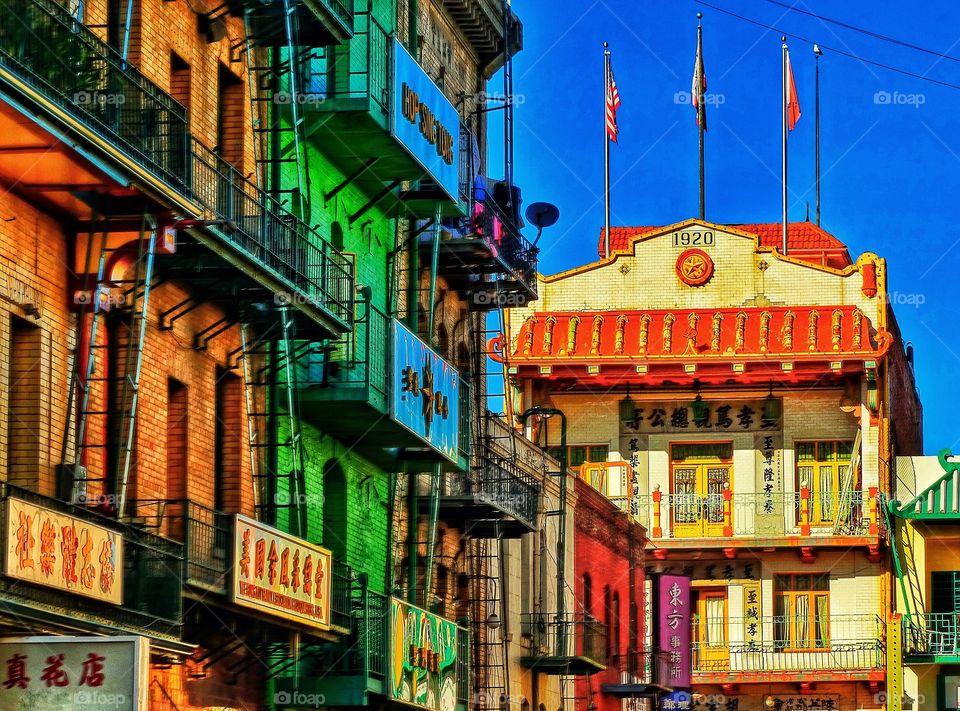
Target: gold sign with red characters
[[65, 552], [280, 575], [694, 267]]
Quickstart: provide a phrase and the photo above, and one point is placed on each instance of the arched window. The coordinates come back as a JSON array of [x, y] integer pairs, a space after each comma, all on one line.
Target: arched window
[[335, 533], [336, 235], [587, 595]]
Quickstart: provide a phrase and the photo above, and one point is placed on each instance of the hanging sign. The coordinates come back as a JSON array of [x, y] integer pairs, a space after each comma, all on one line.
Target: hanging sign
[[90, 673], [280, 575], [423, 658], [751, 616], [673, 626], [56, 550], [673, 416]]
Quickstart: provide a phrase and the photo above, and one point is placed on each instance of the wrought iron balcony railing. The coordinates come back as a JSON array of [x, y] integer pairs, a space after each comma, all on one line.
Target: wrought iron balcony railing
[[643, 673], [571, 644], [151, 566], [49, 51], [207, 538], [784, 644], [758, 515], [932, 634]]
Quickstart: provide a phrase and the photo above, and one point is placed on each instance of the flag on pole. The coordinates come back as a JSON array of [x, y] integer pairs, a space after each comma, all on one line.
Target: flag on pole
[[613, 103], [699, 87], [793, 101]]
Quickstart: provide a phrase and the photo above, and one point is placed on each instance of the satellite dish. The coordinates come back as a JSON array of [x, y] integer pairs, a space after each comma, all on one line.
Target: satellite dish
[[541, 215]]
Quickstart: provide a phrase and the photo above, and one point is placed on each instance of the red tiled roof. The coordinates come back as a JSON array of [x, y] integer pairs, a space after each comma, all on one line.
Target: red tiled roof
[[808, 241]]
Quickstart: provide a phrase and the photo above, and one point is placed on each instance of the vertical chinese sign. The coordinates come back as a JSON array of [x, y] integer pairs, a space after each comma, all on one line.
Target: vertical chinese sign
[[426, 393], [673, 627], [280, 575], [423, 658], [751, 615], [53, 549], [74, 673], [770, 511]]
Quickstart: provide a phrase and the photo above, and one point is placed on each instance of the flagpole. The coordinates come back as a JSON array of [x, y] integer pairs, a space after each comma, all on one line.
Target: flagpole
[[700, 112], [606, 153], [817, 52], [783, 110]]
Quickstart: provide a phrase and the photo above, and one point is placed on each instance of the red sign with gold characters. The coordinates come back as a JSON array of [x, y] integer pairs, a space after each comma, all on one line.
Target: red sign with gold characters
[[280, 575], [65, 552], [694, 267]]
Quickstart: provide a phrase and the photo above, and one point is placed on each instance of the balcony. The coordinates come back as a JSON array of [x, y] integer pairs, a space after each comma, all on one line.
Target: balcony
[[107, 127], [768, 520], [643, 674], [210, 538], [497, 498], [573, 644], [434, 658], [483, 23], [381, 387], [320, 22], [380, 117], [931, 638], [843, 648], [146, 569], [485, 255]]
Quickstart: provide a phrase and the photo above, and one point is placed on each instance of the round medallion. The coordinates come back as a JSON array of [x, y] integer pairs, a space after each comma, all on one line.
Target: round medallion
[[694, 267]]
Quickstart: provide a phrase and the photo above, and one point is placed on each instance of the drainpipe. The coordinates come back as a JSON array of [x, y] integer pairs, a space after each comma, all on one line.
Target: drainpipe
[[413, 280], [432, 530], [434, 266]]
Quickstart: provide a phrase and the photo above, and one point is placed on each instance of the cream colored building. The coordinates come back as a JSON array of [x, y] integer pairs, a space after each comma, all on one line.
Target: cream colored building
[[738, 401]]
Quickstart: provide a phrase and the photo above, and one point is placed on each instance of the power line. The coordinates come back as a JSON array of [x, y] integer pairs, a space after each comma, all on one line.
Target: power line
[[869, 33], [834, 50]]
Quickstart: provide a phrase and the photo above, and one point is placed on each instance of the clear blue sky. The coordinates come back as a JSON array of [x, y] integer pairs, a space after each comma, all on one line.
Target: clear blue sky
[[890, 170]]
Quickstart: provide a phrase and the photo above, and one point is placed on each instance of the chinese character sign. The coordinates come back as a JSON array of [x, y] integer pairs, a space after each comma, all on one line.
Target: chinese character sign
[[279, 574], [426, 393], [74, 673], [423, 658], [678, 416], [673, 627], [751, 615], [65, 552], [769, 449]]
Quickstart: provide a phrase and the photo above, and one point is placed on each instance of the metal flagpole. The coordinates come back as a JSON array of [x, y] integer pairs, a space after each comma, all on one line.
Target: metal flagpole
[[783, 109], [817, 52], [606, 152], [701, 111]]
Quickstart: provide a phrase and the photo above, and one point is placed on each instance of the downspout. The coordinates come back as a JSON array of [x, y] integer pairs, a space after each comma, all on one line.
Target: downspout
[[413, 280], [432, 530], [434, 267]]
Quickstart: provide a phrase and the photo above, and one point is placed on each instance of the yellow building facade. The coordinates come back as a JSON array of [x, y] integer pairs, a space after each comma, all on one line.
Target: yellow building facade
[[735, 394]]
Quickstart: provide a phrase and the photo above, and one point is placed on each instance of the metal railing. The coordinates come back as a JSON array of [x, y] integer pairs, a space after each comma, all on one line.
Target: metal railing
[[932, 634], [48, 49], [756, 515], [565, 637], [502, 482], [341, 9], [643, 667], [779, 643], [151, 571]]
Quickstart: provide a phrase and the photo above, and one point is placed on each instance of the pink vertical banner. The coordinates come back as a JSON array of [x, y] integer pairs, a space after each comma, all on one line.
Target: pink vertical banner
[[673, 628]]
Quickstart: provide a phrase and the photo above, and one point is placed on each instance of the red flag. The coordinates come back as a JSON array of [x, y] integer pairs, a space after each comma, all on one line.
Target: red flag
[[613, 103], [793, 102]]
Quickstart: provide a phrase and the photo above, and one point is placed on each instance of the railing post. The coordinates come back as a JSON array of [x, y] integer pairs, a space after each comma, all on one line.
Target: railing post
[[804, 510], [727, 513], [657, 496], [872, 508]]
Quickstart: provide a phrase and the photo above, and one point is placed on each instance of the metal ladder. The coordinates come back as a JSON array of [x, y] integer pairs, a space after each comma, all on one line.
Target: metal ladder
[[127, 377], [490, 646]]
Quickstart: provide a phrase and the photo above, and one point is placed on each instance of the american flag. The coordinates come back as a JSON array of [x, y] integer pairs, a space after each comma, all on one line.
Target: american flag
[[613, 103]]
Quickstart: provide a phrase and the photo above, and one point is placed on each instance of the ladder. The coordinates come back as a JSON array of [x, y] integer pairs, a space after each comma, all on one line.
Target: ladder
[[904, 562], [490, 647], [275, 457], [123, 380], [845, 505]]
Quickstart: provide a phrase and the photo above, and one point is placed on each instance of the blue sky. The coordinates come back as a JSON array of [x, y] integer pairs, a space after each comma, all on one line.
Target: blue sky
[[890, 169]]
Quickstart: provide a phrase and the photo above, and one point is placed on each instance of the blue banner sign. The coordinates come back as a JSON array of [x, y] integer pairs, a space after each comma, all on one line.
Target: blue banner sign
[[426, 392], [425, 122]]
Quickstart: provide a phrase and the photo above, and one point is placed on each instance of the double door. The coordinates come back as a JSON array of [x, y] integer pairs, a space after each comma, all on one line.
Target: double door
[[698, 490]]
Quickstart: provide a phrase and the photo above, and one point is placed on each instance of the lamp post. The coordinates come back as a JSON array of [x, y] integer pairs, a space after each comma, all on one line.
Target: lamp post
[[561, 533]]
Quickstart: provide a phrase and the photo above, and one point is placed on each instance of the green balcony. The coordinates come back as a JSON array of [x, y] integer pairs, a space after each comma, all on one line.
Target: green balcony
[[564, 645], [373, 667], [109, 128], [931, 638], [377, 115], [381, 388]]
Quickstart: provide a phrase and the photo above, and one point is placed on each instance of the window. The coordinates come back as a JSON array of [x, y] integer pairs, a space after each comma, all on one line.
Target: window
[[691, 451], [824, 467], [615, 631], [176, 439], [803, 612], [945, 591], [335, 529], [607, 608], [587, 595], [580, 454], [229, 442], [180, 81], [336, 236], [24, 407], [230, 110]]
